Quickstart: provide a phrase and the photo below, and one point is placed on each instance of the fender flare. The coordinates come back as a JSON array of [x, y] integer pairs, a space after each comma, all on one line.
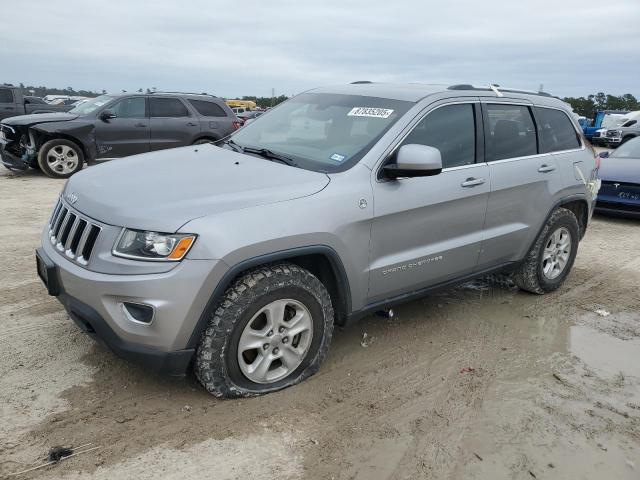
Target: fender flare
[[235, 270], [558, 204]]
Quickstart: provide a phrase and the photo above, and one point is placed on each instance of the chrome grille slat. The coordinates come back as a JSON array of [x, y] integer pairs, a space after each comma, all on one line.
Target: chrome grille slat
[[72, 234]]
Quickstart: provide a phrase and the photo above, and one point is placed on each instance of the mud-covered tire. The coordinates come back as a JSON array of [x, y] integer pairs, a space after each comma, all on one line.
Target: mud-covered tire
[[529, 275], [71, 154], [217, 365]]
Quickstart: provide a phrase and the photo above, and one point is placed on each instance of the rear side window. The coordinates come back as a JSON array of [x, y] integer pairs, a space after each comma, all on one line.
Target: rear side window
[[510, 132], [208, 109], [167, 107], [6, 95], [556, 131], [452, 130]]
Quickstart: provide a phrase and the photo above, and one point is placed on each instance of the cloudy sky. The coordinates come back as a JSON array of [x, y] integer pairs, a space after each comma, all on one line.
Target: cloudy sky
[[248, 47]]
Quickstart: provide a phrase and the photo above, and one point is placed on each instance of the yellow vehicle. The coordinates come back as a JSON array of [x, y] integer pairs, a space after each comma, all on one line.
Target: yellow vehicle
[[246, 104]]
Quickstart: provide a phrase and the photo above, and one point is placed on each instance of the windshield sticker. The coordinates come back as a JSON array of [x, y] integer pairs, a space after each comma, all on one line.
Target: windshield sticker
[[370, 112], [336, 157]]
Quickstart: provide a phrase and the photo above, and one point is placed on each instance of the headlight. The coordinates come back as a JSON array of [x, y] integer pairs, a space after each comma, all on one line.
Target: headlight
[[614, 133], [153, 245]]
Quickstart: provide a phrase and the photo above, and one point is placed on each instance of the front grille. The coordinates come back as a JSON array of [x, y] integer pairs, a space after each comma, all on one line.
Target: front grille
[[72, 235]]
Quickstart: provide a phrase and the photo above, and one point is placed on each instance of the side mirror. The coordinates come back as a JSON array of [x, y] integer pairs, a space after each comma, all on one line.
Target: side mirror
[[604, 154], [107, 115], [415, 160]]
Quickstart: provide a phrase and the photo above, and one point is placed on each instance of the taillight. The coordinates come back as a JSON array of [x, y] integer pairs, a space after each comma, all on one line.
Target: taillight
[[236, 125]]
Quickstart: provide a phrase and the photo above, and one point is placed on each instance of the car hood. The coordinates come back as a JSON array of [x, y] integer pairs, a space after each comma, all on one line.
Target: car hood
[[625, 170], [163, 190], [35, 118]]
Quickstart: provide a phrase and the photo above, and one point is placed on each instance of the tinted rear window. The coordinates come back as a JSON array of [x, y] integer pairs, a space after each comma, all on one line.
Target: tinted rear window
[[511, 132], [556, 131], [167, 107], [208, 109], [6, 95]]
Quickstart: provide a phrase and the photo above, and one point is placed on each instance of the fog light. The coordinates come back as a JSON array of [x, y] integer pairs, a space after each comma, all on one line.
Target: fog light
[[138, 312]]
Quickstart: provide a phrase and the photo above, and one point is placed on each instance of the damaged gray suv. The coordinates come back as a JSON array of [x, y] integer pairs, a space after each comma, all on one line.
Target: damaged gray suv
[[239, 259]]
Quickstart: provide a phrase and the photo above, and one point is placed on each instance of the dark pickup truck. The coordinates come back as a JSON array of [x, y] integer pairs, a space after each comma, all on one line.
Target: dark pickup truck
[[13, 103]]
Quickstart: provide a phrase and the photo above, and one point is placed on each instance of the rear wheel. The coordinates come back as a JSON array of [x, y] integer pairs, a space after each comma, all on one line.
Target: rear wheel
[[60, 158], [271, 330], [549, 261]]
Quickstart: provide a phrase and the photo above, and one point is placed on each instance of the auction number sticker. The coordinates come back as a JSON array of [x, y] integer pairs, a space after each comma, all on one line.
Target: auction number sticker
[[370, 112]]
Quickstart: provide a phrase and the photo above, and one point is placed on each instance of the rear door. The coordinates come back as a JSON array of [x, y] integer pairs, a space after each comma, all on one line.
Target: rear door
[[8, 107], [215, 121], [172, 124], [524, 181], [428, 230], [128, 133]]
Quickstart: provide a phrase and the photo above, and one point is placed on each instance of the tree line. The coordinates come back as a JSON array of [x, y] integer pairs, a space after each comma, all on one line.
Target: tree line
[[601, 101]]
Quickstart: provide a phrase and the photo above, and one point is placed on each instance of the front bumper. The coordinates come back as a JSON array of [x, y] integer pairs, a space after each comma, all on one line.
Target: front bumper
[[178, 297], [11, 160]]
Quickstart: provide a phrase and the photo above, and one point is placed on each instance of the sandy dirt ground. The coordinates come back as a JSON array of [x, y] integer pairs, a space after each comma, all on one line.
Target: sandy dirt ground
[[479, 381]]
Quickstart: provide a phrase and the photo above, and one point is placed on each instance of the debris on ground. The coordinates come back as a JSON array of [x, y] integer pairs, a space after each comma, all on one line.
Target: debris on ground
[[602, 312], [186, 408], [366, 340], [385, 313], [58, 453], [468, 370], [478, 456]]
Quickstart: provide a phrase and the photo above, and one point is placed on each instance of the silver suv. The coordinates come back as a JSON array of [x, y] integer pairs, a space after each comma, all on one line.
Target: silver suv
[[241, 258]]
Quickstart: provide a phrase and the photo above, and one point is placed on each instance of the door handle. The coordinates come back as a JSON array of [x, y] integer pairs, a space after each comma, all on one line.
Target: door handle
[[191, 124], [472, 182], [141, 124], [546, 168]]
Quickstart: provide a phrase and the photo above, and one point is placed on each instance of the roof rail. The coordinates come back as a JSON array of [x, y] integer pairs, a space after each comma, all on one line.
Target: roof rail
[[360, 82], [184, 93], [7, 84], [497, 89]]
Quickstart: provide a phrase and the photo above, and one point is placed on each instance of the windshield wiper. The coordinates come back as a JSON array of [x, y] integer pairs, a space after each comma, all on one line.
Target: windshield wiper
[[271, 155], [233, 145]]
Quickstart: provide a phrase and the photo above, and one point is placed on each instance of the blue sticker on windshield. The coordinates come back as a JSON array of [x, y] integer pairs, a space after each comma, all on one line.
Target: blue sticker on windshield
[[336, 157]]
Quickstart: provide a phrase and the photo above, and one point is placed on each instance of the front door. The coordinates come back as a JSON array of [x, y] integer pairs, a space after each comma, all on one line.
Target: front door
[[126, 134], [428, 230]]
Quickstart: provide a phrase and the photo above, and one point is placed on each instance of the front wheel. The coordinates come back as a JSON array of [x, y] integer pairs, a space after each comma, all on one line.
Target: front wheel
[[271, 329], [551, 257], [60, 158]]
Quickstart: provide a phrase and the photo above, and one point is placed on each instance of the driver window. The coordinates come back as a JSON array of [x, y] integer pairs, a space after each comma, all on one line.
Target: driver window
[[130, 108], [452, 130]]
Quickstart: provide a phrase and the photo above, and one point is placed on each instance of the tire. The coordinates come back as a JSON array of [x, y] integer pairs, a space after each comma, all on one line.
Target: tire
[[224, 359], [536, 273], [202, 141], [60, 158]]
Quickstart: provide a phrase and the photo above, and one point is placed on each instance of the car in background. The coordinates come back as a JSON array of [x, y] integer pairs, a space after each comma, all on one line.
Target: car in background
[[629, 130], [13, 102], [604, 119], [249, 116], [620, 175], [112, 126]]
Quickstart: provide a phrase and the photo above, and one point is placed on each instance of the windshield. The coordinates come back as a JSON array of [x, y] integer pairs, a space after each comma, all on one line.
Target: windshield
[[323, 132], [630, 149], [91, 105]]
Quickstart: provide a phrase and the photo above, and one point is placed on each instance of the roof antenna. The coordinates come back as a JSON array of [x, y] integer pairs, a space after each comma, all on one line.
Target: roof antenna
[[495, 90]]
